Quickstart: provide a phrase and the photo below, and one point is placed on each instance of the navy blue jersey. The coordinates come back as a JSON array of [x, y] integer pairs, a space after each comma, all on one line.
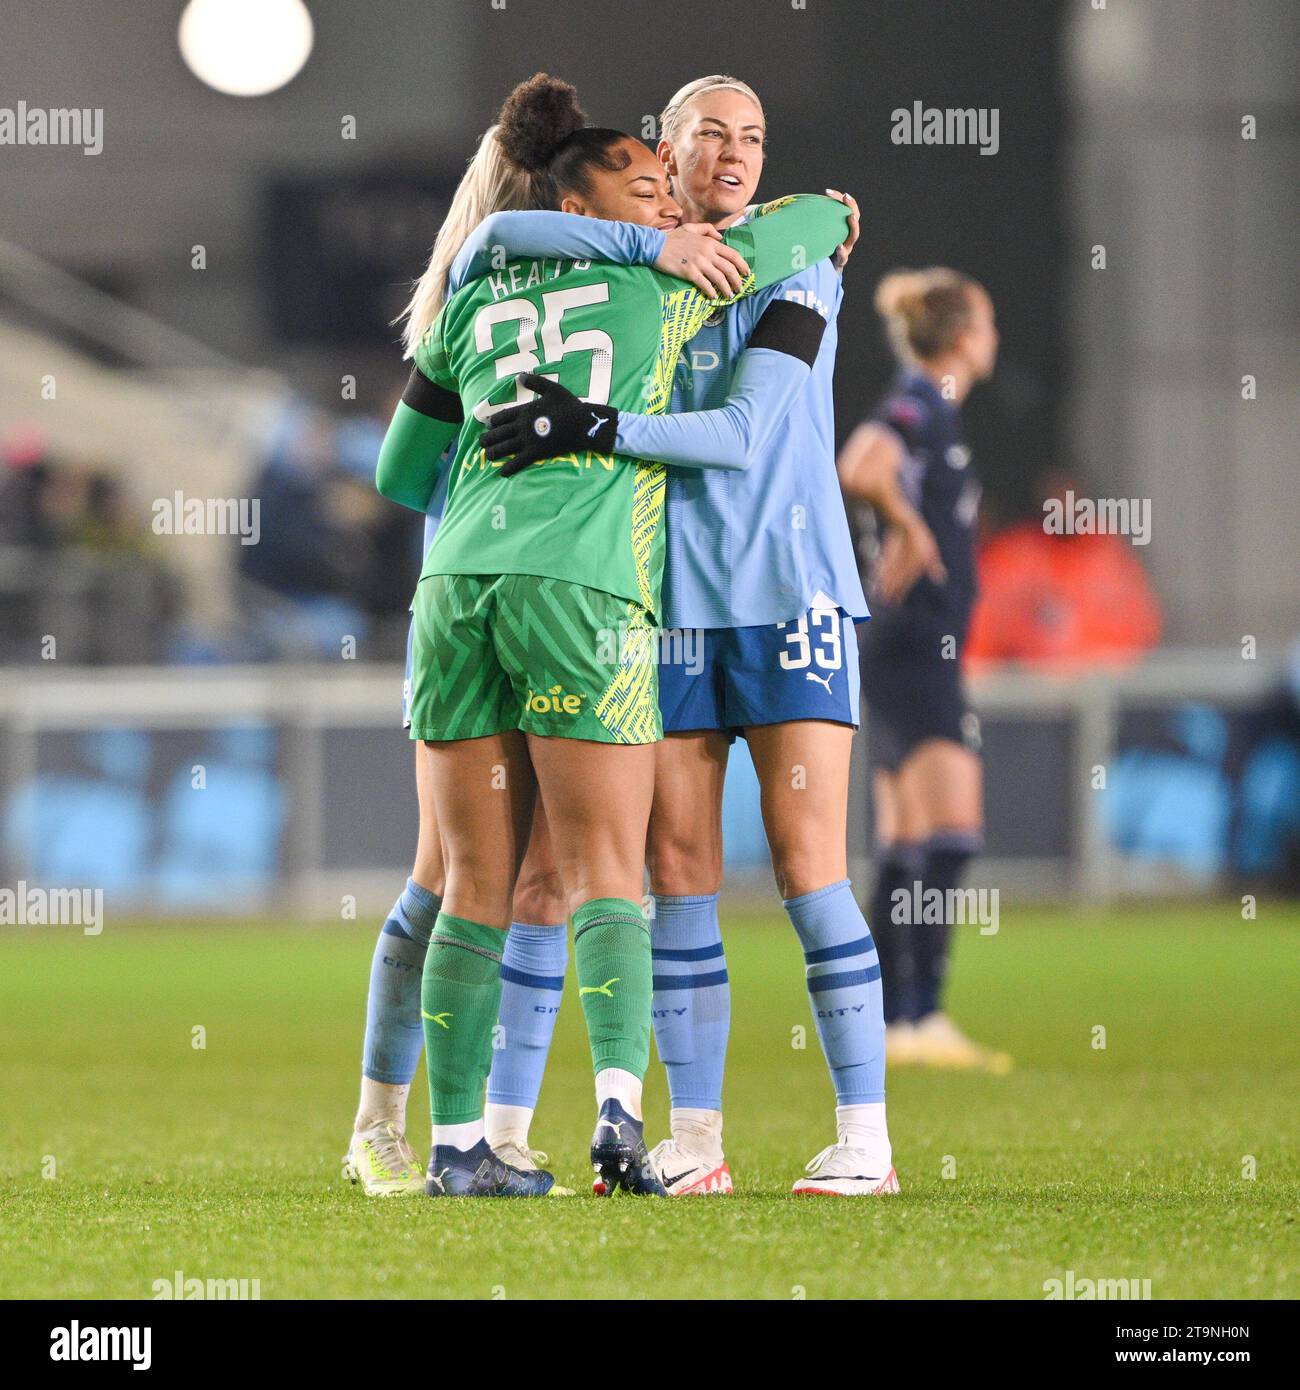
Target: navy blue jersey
[[936, 478]]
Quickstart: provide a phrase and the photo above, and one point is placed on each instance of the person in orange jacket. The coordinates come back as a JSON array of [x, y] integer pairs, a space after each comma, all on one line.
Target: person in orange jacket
[[1065, 592]]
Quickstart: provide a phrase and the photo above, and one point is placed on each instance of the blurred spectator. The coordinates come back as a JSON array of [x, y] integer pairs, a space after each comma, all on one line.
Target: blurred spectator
[[76, 564], [23, 479], [78, 559], [1064, 601], [333, 560]]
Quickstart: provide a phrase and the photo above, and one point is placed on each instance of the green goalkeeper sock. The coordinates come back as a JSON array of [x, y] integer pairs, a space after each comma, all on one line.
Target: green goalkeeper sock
[[460, 995], [611, 949]]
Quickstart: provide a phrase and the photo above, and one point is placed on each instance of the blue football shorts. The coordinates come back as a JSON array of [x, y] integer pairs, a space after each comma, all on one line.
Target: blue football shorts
[[732, 678]]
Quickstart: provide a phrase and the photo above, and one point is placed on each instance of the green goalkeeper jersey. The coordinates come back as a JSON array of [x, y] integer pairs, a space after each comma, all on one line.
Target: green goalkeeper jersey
[[611, 335]]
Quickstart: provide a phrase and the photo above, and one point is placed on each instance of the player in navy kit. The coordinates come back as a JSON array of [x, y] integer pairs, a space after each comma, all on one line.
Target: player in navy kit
[[911, 463]]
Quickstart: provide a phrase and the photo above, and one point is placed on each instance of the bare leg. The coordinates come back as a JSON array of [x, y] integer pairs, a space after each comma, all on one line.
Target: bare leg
[[803, 771], [430, 869], [597, 798], [484, 792], [684, 848], [943, 781], [539, 894]]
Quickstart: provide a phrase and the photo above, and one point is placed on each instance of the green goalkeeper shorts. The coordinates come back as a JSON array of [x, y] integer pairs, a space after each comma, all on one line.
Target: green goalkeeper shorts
[[492, 652]]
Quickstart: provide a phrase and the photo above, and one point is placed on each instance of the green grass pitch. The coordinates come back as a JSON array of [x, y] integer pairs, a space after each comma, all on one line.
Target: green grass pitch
[[1128, 1161]]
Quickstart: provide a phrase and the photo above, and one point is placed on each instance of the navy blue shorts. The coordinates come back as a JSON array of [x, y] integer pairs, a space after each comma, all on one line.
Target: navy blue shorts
[[730, 678], [913, 694]]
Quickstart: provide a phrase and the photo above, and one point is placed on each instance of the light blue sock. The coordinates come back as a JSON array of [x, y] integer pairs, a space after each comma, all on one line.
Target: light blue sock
[[844, 987], [692, 999], [532, 982], [394, 1031]]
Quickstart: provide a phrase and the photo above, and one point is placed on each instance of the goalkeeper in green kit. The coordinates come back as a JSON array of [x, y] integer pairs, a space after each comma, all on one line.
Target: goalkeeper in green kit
[[534, 657]]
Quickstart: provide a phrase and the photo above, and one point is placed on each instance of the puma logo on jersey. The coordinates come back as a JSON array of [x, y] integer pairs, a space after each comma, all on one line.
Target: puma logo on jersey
[[821, 680]]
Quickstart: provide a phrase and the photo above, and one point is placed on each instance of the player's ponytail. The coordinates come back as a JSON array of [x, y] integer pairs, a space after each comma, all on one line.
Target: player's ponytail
[[924, 310], [492, 183], [539, 149], [545, 132]]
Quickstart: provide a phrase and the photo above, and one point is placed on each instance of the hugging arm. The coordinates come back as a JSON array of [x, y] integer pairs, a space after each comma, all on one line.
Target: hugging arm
[[769, 375], [505, 236]]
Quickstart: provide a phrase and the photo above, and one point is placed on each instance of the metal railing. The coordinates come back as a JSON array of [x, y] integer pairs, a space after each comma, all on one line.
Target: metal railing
[[307, 703]]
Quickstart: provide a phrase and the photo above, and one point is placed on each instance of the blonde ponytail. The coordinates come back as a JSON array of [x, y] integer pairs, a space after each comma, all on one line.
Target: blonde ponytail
[[491, 184], [924, 310]]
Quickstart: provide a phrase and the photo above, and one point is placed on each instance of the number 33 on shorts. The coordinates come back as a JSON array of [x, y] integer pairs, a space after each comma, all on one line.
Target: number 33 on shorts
[[817, 667], [813, 639], [770, 673]]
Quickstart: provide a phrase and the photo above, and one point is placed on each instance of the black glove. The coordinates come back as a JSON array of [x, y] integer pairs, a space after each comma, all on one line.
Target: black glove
[[557, 422]]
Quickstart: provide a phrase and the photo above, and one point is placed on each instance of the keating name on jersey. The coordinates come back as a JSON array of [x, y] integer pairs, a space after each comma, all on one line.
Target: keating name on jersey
[[523, 275]]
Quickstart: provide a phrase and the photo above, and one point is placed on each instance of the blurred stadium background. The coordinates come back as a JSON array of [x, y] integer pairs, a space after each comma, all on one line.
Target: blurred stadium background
[[202, 308]]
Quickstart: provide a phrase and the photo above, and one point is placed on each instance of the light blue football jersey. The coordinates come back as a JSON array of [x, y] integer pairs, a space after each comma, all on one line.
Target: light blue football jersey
[[759, 546]]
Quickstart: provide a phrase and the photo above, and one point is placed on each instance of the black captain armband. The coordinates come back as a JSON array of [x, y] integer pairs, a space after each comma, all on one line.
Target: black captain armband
[[789, 327], [431, 399]]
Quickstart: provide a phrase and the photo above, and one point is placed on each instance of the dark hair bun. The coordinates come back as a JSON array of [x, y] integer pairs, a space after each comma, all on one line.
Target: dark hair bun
[[536, 118]]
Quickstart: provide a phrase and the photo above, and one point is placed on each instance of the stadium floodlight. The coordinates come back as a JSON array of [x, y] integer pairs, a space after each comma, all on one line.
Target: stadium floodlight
[[245, 48]]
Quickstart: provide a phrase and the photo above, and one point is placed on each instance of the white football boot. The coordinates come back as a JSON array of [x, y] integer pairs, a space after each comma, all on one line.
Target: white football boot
[[686, 1173], [841, 1171], [900, 1043], [518, 1155], [383, 1163], [936, 1041]]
